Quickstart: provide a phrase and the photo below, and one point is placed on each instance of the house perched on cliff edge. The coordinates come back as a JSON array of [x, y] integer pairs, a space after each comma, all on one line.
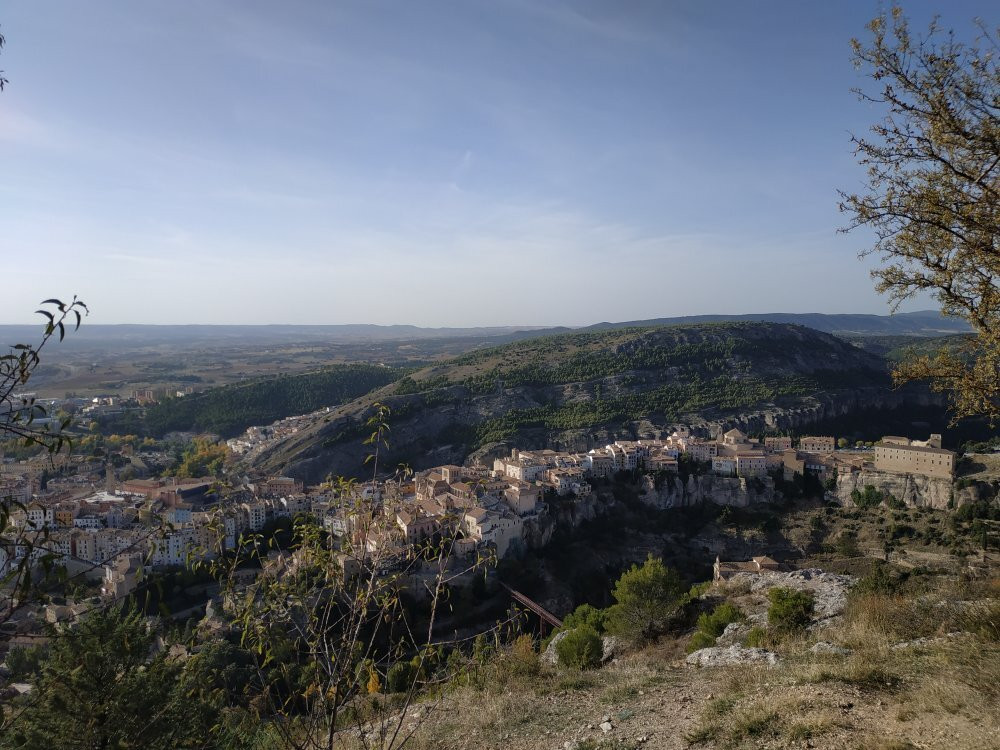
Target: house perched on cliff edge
[[924, 457]]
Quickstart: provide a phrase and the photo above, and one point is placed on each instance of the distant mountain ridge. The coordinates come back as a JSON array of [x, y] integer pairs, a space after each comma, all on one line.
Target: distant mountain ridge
[[132, 335], [918, 323], [90, 335]]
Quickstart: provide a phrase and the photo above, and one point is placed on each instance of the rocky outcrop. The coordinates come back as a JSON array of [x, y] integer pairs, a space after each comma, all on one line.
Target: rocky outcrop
[[829, 590], [736, 491], [913, 489], [928, 641], [550, 656], [538, 529], [726, 656], [825, 648], [733, 635], [611, 646]]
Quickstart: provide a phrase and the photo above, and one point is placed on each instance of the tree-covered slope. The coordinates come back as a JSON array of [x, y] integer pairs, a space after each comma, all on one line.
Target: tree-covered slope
[[575, 388], [231, 409]]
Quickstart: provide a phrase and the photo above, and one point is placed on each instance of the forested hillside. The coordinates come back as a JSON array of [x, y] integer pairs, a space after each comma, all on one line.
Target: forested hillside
[[231, 409], [576, 388], [897, 348]]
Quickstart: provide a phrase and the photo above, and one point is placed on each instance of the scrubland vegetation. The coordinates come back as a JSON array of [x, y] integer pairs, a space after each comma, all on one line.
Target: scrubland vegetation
[[912, 662], [230, 409]]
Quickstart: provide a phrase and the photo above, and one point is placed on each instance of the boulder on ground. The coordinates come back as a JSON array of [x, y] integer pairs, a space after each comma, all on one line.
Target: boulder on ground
[[612, 647], [725, 656], [825, 647], [733, 635], [550, 656]]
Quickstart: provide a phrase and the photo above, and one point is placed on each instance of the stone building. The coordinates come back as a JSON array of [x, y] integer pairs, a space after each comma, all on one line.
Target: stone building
[[905, 456], [817, 444]]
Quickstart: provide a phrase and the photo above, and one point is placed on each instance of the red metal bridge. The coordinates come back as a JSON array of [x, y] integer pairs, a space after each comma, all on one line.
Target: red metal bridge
[[538, 609]]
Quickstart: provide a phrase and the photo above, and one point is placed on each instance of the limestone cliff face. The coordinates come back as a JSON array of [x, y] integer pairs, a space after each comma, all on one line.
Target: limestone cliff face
[[912, 489], [538, 530], [674, 493]]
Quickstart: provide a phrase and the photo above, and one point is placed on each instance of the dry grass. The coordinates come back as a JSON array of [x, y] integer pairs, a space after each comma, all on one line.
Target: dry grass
[[745, 678], [858, 670], [544, 710], [947, 695], [877, 620], [894, 744], [939, 693], [731, 722], [945, 684]]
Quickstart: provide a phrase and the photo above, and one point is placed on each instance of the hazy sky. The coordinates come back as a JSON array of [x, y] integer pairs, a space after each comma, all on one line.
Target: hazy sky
[[471, 162]]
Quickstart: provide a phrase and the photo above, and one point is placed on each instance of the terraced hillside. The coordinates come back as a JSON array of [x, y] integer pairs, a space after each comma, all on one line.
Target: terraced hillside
[[577, 390]]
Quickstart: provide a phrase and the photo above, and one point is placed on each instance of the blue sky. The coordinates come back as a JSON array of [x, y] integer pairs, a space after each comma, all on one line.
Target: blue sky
[[457, 163]]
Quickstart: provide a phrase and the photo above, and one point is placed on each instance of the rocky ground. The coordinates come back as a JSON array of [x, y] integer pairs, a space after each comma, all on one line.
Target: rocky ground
[[882, 672], [648, 702]]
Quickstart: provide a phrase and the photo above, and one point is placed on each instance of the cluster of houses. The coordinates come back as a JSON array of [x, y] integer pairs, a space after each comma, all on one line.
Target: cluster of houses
[[133, 524], [139, 523], [258, 437], [732, 454]]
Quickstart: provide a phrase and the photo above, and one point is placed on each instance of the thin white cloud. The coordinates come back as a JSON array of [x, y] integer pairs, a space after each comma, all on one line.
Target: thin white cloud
[[21, 129], [144, 260]]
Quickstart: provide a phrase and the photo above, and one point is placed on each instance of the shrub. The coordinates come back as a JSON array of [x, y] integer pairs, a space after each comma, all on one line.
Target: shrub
[[582, 648], [647, 600], [399, 678], [895, 503], [790, 609], [586, 614], [700, 640], [374, 684], [847, 544], [979, 509], [25, 662], [897, 531], [696, 591], [522, 658], [869, 498], [714, 624], [880, 580], [711, 626]]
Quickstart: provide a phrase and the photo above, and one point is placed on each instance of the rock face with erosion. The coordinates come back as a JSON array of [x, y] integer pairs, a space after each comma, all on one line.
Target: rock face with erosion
[[708, 488], [913, 489]]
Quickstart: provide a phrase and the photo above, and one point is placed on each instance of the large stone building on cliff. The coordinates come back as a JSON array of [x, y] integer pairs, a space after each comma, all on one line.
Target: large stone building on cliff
[[905, 456]]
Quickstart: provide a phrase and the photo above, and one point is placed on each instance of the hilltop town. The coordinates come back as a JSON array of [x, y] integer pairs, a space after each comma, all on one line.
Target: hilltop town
[[128, 525]]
